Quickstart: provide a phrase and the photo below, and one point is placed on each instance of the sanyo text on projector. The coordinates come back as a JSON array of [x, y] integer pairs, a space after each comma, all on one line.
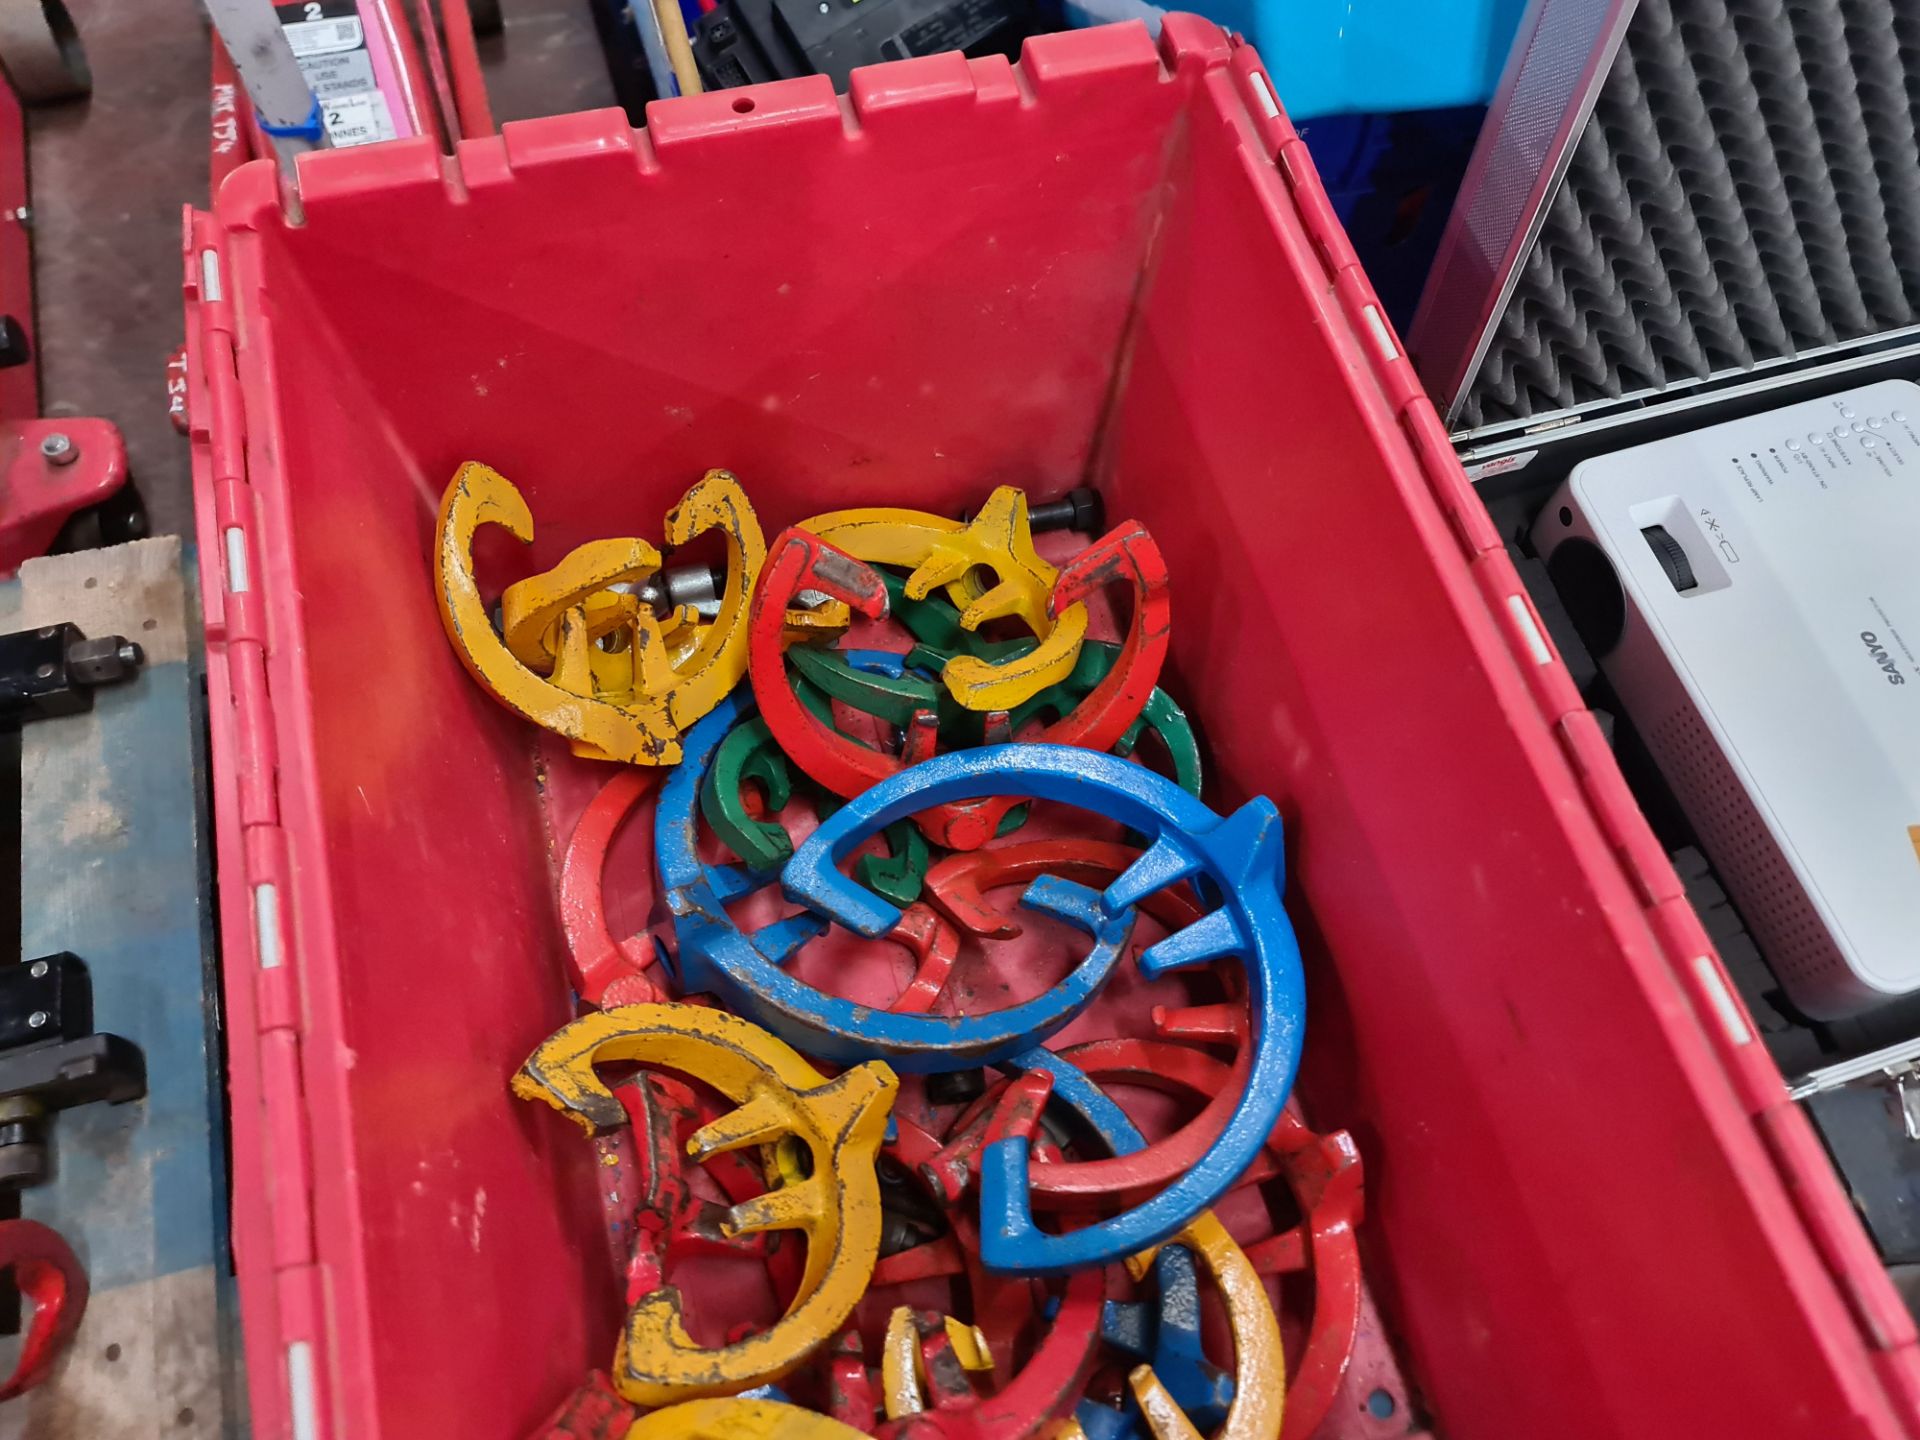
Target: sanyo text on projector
[[1752, 591]]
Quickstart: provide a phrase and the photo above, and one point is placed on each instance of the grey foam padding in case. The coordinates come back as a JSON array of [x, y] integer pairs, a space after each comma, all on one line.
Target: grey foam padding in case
[[1747, 189]]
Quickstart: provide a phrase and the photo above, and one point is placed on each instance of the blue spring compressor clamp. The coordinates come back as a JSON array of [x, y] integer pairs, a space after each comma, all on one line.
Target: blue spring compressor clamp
[[1234, 862], [745, 970]]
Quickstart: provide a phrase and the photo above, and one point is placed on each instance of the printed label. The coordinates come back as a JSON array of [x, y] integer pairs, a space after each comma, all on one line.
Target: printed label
[[330, 44], [322, 27], [331, 75], [1500, 464], [357, 119]]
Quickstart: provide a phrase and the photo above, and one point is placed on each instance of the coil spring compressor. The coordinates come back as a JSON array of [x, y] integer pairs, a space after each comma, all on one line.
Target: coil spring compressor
[[628, 704], [840, 1121], [745, 970], [800, 561], [1234, 862]]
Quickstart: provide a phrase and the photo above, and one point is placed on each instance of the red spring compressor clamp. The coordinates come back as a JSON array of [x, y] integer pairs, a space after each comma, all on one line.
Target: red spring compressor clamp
[[607, 971], [957, 886], [1324, 1173], [658, 1215]]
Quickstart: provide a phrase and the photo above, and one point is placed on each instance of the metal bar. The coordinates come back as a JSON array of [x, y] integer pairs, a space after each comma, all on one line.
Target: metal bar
[[436, 56], [283, 102], [1633, 404], [1832, 1077], [1480, 447], [463, 60]]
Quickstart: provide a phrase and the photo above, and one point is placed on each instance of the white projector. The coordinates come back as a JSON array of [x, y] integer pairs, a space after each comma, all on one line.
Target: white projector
[[1752, 592]]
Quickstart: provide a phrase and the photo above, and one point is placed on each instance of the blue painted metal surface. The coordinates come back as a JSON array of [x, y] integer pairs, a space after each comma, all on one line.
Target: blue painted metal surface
[[715, 956], [1233, 862], [1101, 1422], [112, 871], [1165, 1333], [116, 866]]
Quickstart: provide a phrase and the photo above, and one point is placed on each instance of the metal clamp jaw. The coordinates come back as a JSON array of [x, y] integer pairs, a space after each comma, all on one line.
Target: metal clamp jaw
[[531, 610], [840, 1121], [1325, 1174], [746, 971], [51, 1059], [699, 892], [607, 971], [1130, 1178], [629, 703], [950, 554], [1233, 862], [925, 1389], [879, 683], [1002, 1308], [1176, 1387], [644, 1172], [639, 733], [1258, 1409], [718, 660], [1323, 1171], [931, 1398], [52, 671], [800, 561], [1100, 721], [749, 754], [1259, 1384], [1164, 1335], [953, 887], [1161, 716]]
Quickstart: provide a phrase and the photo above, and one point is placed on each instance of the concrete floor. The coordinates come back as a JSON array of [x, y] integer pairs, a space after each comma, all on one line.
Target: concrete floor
[[110, 174]]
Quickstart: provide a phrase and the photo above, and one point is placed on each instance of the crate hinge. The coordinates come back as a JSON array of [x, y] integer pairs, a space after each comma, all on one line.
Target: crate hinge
[[239, 626]]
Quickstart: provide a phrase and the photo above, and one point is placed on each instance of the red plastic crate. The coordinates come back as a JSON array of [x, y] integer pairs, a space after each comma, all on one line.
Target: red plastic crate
[[1592, 1211]]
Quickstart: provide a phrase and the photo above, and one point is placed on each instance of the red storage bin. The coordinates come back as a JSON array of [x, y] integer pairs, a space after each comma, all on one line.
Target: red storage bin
[[1591, 1212]]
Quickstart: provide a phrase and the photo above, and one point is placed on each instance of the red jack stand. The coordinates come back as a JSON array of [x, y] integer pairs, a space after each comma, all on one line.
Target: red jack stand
[[49, 469]]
